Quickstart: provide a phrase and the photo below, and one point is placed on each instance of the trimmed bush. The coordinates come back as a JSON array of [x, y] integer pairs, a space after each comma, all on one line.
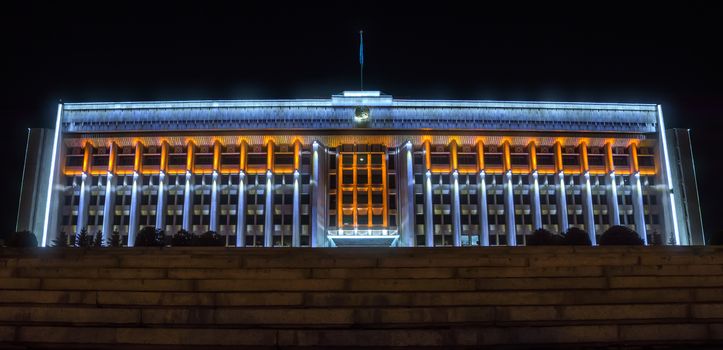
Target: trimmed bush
[[150, 237], [211, 239], [183, 238], [544, 237], [21, 239], [576, 236], [620, 235]]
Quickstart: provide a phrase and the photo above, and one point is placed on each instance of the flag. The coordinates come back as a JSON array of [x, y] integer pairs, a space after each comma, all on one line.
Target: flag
[[361, 47]]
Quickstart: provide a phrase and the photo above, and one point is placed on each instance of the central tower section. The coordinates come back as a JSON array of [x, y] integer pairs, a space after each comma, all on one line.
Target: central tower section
[[361, 180]]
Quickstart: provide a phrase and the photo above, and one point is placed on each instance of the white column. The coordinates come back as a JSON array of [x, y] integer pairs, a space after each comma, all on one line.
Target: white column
[[318, 195], [561, 201], [269, 210], [188, 202], [406, 237], [510, 209], [213, 220], [612, 196], [83, 204], [484, 227], [535, 201], [428, 210], [456, 224], [241, 211], [161, 205], [589, 216], [135, 208], [638, 209], [296, 216], [108, 207]]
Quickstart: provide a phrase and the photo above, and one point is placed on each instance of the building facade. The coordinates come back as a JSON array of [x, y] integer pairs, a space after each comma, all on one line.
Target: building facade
[[361, 168]]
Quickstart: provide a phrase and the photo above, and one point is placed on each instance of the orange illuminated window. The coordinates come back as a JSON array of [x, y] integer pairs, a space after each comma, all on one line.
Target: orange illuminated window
[[362, 186]]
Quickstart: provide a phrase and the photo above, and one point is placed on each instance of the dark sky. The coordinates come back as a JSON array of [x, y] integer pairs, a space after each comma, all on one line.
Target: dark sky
[[604, 52]]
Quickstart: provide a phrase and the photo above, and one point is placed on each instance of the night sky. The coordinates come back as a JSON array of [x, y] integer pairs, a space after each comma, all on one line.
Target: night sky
[[606, 52]]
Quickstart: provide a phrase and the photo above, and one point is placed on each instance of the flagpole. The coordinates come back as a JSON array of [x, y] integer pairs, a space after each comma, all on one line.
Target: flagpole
[[361, 60]]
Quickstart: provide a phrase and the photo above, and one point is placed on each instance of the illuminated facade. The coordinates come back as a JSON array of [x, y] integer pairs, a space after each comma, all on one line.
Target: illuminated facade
[[360, 168]]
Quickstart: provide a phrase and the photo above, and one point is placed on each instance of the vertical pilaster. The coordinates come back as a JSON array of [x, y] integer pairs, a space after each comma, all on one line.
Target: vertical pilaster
[[611, 187], [269, 203], [162, 187], [241, 210], [241, 203], [213, 220], [428, 205], [136, 188], [484, 227], [588, 217], [456, 224], [269, 210], [85, 183], [560, 192], [296, 207], [189, 188], [318, 195], [296, 218], [638, 208], [534, 188], [509, 196], [110, 185], [406, 237]]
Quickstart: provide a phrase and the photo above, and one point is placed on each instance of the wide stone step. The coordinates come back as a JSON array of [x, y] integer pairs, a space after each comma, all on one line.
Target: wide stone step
[[363, 299], [353, 317], [650, 334], [356, 273]]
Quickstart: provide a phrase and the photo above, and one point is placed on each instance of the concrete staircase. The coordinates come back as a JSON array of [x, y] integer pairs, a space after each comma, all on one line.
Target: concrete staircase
[[361, 297]]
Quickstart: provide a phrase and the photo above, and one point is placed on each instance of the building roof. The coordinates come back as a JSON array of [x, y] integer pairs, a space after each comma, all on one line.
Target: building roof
[[341, 112]]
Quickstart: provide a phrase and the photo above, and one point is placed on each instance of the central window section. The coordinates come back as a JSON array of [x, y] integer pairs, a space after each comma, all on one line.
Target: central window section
[[362, 184]]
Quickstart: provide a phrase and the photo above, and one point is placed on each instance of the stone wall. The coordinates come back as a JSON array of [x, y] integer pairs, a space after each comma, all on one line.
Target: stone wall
[[376, 297]]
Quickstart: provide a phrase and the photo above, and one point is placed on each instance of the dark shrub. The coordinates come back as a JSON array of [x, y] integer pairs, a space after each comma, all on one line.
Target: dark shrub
[[115, 239], [183, 238], [211, 239], [150, 237], [61, 241], [544, 237], [21, 239], [576, 236], [620, 235], [98, 240], [82, 239]]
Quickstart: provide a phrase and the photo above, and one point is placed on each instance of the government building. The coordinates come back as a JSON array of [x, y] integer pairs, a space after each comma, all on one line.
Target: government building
[[360, 169]]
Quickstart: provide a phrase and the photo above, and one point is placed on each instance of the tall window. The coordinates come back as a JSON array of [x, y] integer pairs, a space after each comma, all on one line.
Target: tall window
[[174, 207], [201, 203], [149, 200], [442, 209], [468, 202], [521, 199], [69, 209], [227, 217], [122, 211], [496, 209], [283, 191], [548, 203], [255, 199]]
